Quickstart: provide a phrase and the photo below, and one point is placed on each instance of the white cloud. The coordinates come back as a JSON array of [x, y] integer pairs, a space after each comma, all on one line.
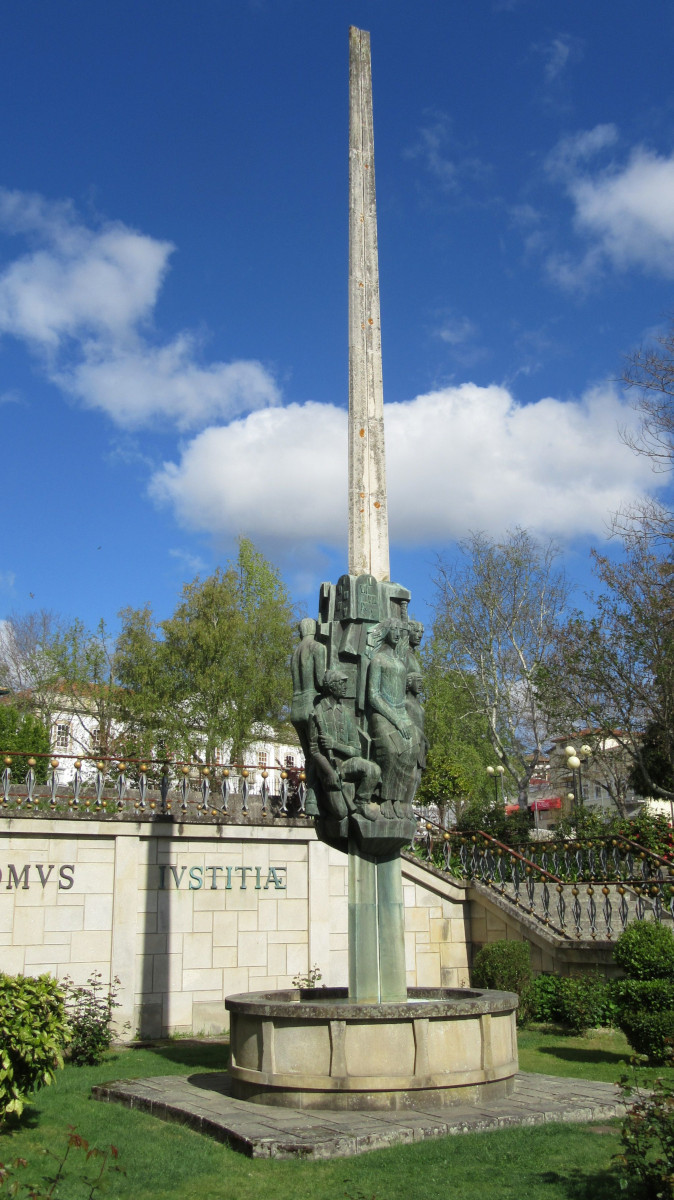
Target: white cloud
[[456, 330], [444, 157], [187, 561], [276, 474], [624, 212], [631, 212], [135, 385], [557, 56], [577, 148], [83, 299], [461, 458]]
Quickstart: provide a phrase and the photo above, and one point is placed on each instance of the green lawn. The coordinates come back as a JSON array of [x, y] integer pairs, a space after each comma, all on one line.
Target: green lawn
[[168, 1161], [599, 1054]]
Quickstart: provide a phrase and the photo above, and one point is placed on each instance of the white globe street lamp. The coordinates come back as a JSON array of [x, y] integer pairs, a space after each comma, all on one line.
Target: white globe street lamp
[[574, 762], [496, 773]]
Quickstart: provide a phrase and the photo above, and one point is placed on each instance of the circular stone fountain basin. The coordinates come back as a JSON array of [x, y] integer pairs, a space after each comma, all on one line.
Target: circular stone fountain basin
[[314, 1048]]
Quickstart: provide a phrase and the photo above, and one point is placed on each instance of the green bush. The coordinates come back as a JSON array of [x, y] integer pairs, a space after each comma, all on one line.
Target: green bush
[[650, 830], [577, 1002], [645, 999], [645, 1013], [505, 966], [649, 1033], [89, 1009], [639, 995], [543, 998], [33, 1034], [645, 950]]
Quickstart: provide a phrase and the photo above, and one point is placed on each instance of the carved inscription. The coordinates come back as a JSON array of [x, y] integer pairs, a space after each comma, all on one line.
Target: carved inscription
[[39, 874], [257, 879]]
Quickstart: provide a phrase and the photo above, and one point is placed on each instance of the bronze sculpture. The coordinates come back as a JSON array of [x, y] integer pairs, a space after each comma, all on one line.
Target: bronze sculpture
[[357, 712]]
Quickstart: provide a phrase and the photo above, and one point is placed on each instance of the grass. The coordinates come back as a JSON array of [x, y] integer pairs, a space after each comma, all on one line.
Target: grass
[[162, 1162], [602, 1054]]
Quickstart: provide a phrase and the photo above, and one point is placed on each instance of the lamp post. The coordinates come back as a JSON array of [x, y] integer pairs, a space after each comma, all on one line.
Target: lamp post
[[574, 762], [497, 773]]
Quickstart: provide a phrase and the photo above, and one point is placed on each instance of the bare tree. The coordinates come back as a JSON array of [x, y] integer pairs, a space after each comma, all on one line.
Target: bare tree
[[649, 374], [498, 614], [613, 672], [56, 667], [28, 666]]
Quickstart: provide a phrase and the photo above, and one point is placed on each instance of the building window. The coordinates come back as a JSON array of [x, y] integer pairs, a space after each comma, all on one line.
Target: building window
[[598, 791], [290, 761], [261, 758], [62, 737]]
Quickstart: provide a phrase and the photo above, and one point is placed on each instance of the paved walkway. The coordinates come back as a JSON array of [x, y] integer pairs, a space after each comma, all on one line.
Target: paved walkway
[[261, 1131]]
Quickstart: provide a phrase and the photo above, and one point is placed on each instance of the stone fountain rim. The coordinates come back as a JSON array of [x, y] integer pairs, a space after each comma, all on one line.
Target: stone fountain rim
[[296, 1004]]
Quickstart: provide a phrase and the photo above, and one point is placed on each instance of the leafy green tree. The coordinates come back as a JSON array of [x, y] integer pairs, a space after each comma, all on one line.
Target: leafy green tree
[[459, 747], [22, 731], [215, 670], [83, 663]]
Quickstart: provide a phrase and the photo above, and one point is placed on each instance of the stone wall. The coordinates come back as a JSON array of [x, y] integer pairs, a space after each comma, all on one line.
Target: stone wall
[[493, 919], [185, 915]]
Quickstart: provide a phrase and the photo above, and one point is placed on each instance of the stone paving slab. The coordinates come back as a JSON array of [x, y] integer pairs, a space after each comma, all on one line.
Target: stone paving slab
[[204, 1103]]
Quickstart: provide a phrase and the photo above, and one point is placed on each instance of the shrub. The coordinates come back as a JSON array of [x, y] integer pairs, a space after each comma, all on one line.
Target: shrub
[[577, 1002], [645, 999], [649, 1033], [89, 1009], [645, 950], [543, 998], [585, 1002], [637, 995], [33, 1033], [645, 1014], [647, 1136], [650, 830], [505, 966]]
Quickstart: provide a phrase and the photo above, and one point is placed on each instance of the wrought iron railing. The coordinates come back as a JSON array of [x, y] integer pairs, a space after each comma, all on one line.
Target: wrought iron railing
[[583, 859], [106, 786], [594, 906]]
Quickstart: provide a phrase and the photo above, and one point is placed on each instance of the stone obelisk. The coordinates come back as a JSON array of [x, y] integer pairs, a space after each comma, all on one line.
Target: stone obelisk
[[354, 671], [368, 516], [376, 917]]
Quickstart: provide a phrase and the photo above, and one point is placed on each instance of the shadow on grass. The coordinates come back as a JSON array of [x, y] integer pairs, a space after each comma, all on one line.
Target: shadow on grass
[[29, 1119], [585, 1185], [210, 1057], [578, 1054]]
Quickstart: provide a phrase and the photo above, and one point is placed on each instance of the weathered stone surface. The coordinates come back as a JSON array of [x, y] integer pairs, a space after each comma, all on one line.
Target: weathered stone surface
[[205, 1103], [368, 515], [317, 1048]]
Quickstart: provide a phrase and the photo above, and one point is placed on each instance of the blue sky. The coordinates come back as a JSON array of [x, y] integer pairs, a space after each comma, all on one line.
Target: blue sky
[[173, 291]]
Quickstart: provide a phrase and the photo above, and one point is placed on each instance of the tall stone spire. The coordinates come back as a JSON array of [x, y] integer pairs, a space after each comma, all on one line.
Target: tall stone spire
[[368, 514]]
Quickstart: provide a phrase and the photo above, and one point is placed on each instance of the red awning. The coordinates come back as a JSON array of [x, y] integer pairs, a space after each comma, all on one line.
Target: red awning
[[536, 805]]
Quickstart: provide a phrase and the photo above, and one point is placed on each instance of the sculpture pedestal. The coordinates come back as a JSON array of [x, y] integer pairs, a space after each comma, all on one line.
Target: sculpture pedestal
[[376, 929]]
